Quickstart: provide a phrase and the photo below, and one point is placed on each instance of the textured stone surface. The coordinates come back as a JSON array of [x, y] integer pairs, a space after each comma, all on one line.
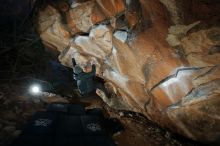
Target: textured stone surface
[[112, 7], [199, 111], [52, 30], [201, 48], [177, 32], [174, 11], [187, 11], [82, 17], [170, 74]]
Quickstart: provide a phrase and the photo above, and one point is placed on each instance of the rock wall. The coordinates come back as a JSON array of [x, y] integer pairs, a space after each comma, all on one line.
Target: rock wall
[[171, 74]]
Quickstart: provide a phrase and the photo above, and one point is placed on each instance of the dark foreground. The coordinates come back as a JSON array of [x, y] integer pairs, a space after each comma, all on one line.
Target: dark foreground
[[16, 107]]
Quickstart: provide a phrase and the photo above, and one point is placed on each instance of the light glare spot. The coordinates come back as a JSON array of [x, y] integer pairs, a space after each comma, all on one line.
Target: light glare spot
[[35, 89]]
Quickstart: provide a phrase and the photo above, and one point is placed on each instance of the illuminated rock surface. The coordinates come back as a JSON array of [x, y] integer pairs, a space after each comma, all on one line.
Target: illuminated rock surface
[[171, 74]]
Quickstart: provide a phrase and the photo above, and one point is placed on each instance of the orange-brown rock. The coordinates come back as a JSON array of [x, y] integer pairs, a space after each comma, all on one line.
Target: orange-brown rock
[[169, 73], [52, 31], [202, 48], [84, 16], [112, 7]]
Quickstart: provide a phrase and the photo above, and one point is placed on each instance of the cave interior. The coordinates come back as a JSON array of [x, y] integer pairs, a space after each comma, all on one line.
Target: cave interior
[[150, 66]]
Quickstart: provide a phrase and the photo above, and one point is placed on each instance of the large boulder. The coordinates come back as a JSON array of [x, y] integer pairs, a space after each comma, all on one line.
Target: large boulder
[[168, 73]]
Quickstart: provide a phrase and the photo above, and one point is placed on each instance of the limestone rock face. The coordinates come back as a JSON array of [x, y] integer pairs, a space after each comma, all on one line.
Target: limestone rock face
[[112, 7], [82, 17], [52, 31], [189, 11], [171, 74], [174, 11], [177, 32], [202, 47]]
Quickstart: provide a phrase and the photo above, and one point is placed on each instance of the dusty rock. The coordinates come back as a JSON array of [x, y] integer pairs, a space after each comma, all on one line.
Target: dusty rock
[[52, 98]]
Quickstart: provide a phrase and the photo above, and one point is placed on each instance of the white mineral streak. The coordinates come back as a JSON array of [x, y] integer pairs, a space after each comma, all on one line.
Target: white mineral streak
[[121, 35], [116, 77], [177, 85], [74, 5]]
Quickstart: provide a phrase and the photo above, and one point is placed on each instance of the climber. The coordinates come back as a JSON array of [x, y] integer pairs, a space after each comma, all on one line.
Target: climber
[[86, 81]]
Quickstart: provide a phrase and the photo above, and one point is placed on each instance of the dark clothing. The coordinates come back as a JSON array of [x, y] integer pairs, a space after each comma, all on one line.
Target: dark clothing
[[67, 125], [85, 81]]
